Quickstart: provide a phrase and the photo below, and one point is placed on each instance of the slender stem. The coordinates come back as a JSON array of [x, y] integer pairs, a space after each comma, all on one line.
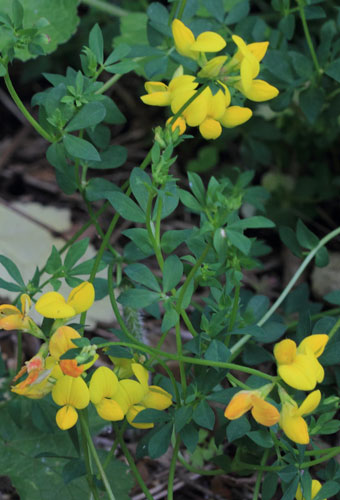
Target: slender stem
[[237, 346], [152, 233], [25, 111], [132, 464], [93, 451], [259, 476], [308, 37], [181, 9], [188, 323], [172, 468], [334, 329], [181, 365], [111, 81], [106, 7], [87, 459], [190, 276], [186, 359], [236, 382]]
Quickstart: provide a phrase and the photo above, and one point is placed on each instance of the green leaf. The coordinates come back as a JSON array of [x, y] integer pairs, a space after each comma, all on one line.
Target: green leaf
[[322, 257], [288, 237], [189, 436], [54, 262], [17, 14], [127, 208], [301, 64], [11, 287], [290, 492], [182, 416], [238, 12], [115, 156], [216, 8], [121, 68], [138, 298], [239, 240], [269, 486], [237, 429], [140, 273], [257, 221], [113, 115], [333, 297], [311, 102], [158, 13], [62, 18], [139, 180], [287, 26], [305, 237], [160, 441], [117, 54], [12, 269], [172, 272], [189, 201], [204, 416], [89, 115], [96, 43], [100, 189], [80, 148], [172, 239], [217, 351], [140, 238], [75, 252], [328, 490], [197, 187], [333, 70], [73, 469], [261, 438], [150, 415]]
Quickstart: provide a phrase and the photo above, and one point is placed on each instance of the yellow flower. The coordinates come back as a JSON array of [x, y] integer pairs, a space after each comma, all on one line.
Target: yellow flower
[[291, 421], [103, 387], [316, 487], [263, 412], [154, 397], [53, 304], [178, 123], [210, 127], [12, 318], [235, 115], [213, 67], [61, 342], [72, 394], [258, 91], [160, 94], [188, 46], [42, 373], [298, 366]]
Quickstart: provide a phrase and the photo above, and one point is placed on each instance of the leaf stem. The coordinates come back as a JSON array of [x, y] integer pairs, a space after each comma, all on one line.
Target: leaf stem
[[113, 10], [308, 37], [172, 468]]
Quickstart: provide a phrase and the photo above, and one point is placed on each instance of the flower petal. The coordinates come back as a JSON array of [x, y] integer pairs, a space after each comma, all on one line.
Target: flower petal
[[157, 99], [235, 115], [210, 128], [295, 428], [66, 417], [264, 413], [184, 38], [311, 402], [239, 405], [300, 374], [61, 341], [285, 351], [103, 384], [71, 391], [81, 298], [131, 415], [315, 343], [208, 42], [259, 91], [53, 305], [157, 398], [109, 409]]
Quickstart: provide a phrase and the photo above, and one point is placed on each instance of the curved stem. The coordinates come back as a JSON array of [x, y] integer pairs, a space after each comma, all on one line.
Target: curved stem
[[180, 363], [334, 329], [237, 346], [113, 10], [172, 468], [132, 464], [308, 37], [259, 476], [25, 111], [93, 451]]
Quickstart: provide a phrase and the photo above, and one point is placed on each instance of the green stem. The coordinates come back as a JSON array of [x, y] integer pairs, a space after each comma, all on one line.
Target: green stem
[[111, 81], [259, 476], [93, 451], [308, 37], [236, 382], [237, 346], [181, 9], [152, 232], [106, 7], [190, 276], [172, 468], [132, 464], [334, 329], [24, 110], [188, 323], [195, 361], [87, 459], [180, 363]]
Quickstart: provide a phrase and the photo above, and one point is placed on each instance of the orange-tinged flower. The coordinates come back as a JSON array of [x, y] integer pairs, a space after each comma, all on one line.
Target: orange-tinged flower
[[291, 419], [72, 394], [316, 487], [189, 46], [263, 412], [298, 366], [12, 318], [53, 304]]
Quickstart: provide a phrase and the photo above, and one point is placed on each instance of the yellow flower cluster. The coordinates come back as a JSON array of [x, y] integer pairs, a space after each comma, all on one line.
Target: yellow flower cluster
[[207, 110], [299, 368]]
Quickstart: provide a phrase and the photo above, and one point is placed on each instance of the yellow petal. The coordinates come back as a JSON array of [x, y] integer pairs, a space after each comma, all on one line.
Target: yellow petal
[[239, 405], [8, 310], [182, 82], [152, 87], [311, 402], [81, 298], [285, 351], [157, 398], [208, 42], [213, 67], [141, 374], [66, 417], [216, 105], [178, 123], [71, 391], [183, 38], [250, 68], [235, 115], [103, 384], [258, 49], [133, 391], [122, 366], [295, 428], [26, 302], [109, 409], [260, 91], [61, 341], [14, 322], [314, 343], [53, 305], [316, 487], [131, 415], [210, 129], [196, 112], [264, 413], [157, 99], [300, 374]]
